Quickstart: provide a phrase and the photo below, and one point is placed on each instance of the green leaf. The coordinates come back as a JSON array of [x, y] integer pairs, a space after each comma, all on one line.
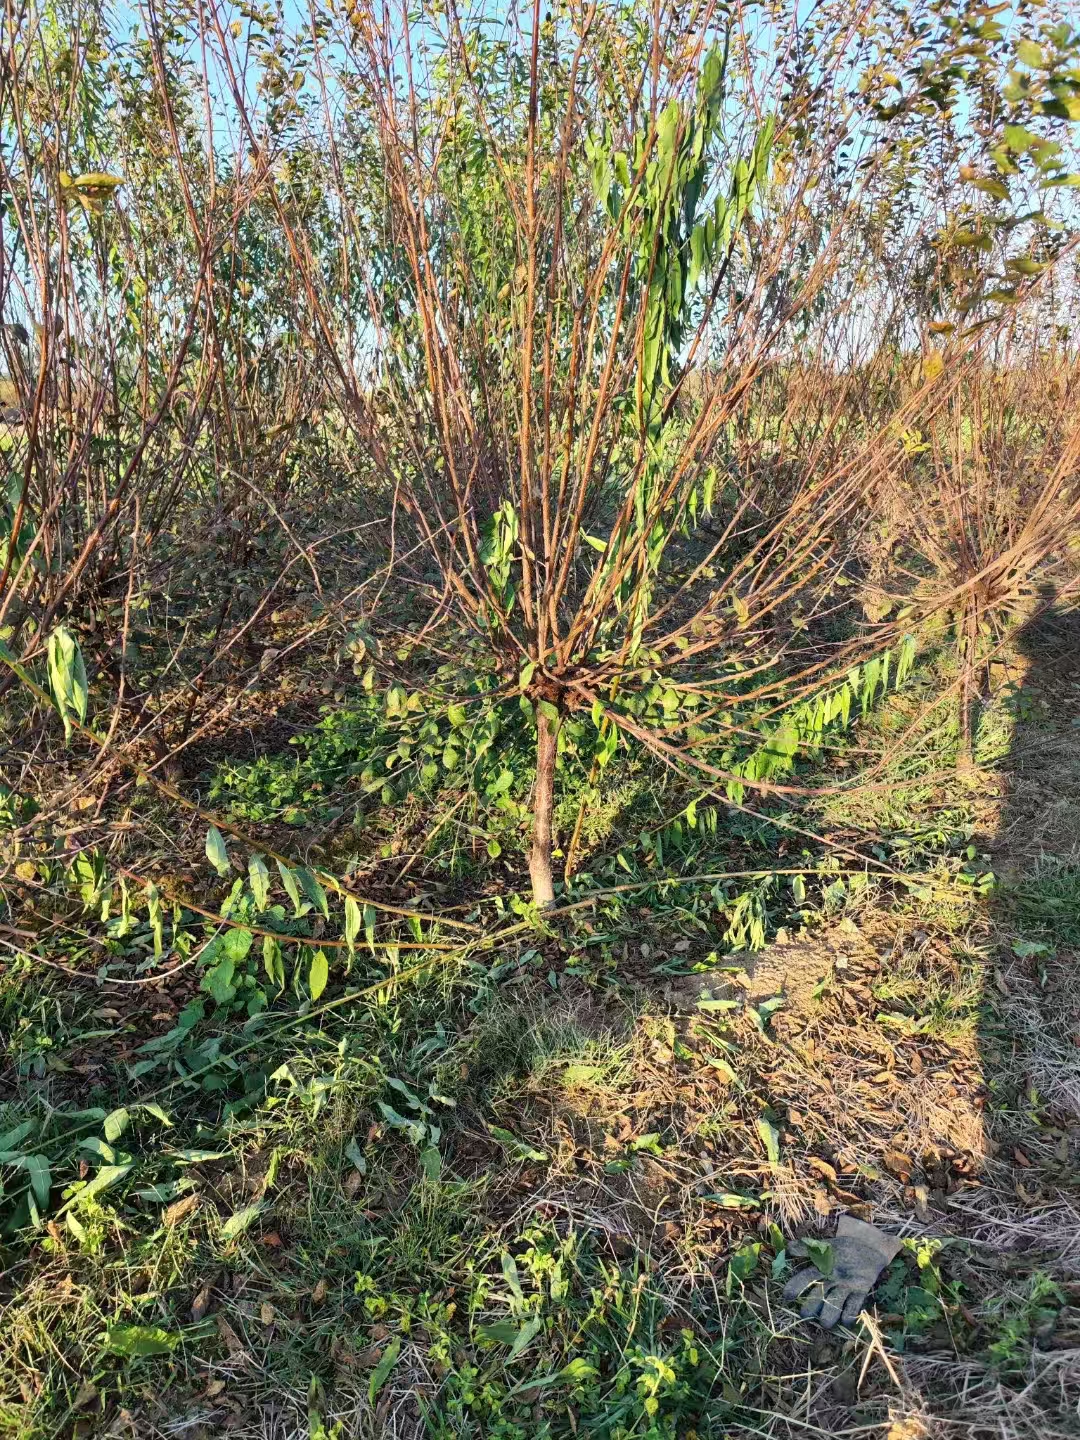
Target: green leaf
[[116, 1122], [579, 1371], [273, 963], [715, 1006], [236, 943], [1030, 53], [11, 1138], [731, 1200], [218, 981], [37, 1167], [98, 1147], [318, 974], [288, 879], [132, 1340], [106, 1177], [67, 677], [431, 1162], [259, 877], [381, 1373], [1019, 138], [239, 1221], [352, 921], [525, 1336], [771, 1139], [501, 1332], [216, 852], [820, 1254], [456, 714], [314, 891], [990, 185], [518, 1148], [153, 1108]]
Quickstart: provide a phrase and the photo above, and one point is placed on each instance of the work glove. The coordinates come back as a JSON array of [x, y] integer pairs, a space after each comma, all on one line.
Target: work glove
[[860, 1252]]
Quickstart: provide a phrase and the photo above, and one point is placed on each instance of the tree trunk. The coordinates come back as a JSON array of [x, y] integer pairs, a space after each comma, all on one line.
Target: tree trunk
[[547, 734]]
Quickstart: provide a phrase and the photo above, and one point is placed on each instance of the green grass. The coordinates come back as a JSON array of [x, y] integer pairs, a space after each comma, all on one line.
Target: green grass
[[475, 1197]]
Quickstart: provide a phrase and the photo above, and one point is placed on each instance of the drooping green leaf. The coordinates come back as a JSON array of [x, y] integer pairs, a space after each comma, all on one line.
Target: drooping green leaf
[[105, 1179], [292, 889], [153, 1108], [10, 1139], [259, 878], [116, 1122], [273, 963], [313, 890], [318, 974], [37, 1168], [352, 922], [216, 852], [67, 677]]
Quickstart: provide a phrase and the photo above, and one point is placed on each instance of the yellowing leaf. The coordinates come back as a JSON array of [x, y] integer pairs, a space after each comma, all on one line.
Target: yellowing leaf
[[318, 974]]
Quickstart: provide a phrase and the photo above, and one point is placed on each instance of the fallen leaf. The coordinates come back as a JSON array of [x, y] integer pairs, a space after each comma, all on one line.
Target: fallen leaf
[[214, 1389], [267, 1313], [909, 1429], [86, 1394], [201, 1304], [230, 1339], [900, 1164], [1021, 1158], [822, 1168], [272, 1239], [318, 1295], [179, 1209]]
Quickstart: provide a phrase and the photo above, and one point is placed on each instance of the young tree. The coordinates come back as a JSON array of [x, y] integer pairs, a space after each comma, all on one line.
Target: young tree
[[587, 241], [582, 242]]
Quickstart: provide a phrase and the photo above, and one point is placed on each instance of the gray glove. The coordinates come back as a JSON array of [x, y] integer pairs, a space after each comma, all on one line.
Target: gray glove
[[860, 1253]]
